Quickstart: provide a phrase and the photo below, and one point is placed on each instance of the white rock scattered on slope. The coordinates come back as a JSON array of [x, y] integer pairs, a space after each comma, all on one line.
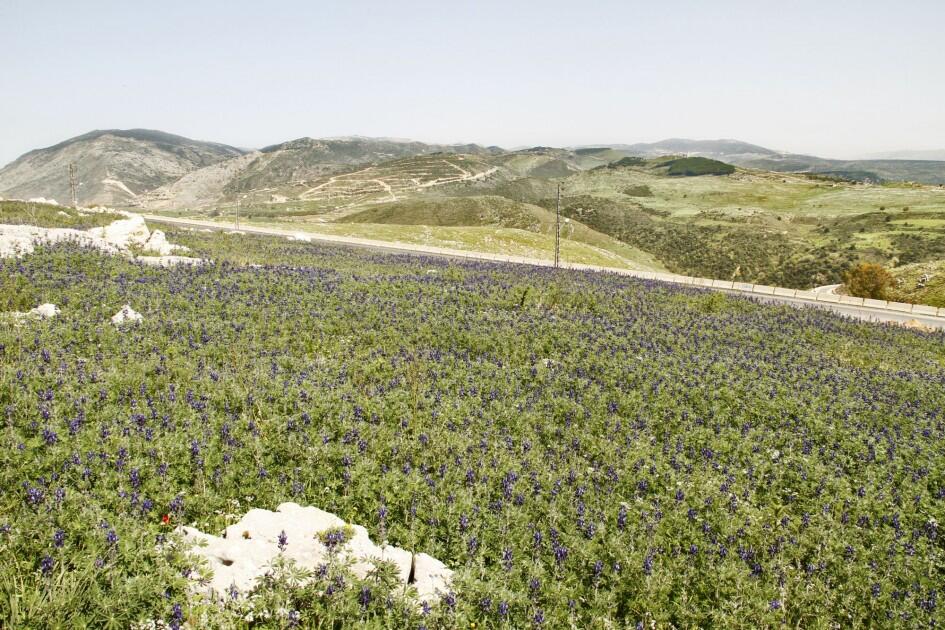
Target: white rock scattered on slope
[[157, 244], [247, 549], [45, 311], [169, 261], [48, 202], [124, 232], [125, 315]]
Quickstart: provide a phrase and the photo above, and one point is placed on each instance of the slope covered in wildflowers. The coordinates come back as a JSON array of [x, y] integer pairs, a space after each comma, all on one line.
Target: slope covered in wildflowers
[[584, 450]]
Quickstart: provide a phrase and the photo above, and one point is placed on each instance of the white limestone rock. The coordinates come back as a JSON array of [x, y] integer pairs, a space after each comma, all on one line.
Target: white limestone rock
[[247, 548], [20, 240], [119, 237], [45, 311], [158, 244], [126, 315], [124, 233], [431, 577]]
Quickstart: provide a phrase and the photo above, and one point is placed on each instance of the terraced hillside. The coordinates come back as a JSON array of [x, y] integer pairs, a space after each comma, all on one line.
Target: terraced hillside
[[397, 179]]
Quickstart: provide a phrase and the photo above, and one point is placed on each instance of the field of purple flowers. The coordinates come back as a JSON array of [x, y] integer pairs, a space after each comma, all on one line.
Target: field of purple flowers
[[586, 451]]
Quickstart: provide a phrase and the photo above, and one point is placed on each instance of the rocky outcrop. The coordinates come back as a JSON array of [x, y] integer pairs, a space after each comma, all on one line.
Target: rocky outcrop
[[247, 549], [124, 237]]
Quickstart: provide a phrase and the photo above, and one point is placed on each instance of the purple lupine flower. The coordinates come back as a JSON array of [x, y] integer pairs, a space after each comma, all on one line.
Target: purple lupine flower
[[283, 540], [364, 597], [648, 564], [46, 565]]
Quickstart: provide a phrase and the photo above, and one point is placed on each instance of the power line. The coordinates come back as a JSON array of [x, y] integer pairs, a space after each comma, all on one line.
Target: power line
[[558, 227], [72, 185]]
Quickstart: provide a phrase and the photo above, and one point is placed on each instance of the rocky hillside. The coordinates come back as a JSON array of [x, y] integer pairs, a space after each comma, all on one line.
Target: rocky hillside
[[114, 167], [308, 158]]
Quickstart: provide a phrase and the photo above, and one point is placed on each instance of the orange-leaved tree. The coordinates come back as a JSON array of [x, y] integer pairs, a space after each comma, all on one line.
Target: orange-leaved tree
[[868, 280]]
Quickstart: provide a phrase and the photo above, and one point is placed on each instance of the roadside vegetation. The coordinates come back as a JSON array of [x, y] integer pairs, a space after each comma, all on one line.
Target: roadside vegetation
[[50, 216]]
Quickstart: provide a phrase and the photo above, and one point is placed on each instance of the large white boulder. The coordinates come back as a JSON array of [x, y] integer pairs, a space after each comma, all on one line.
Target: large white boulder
[[247, 548], [119, 237], [126, 315], [157, 244], [124, 233]]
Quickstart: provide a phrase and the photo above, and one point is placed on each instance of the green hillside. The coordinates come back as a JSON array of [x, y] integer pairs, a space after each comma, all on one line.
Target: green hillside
[[920, 283], [495, 212], [691, 215]]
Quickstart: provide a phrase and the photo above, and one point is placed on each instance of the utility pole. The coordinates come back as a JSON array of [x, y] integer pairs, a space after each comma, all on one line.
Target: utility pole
[[72, 185], [558, 227]]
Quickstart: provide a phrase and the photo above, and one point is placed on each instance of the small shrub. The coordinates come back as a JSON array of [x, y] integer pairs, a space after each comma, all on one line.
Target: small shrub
[[638, 191]]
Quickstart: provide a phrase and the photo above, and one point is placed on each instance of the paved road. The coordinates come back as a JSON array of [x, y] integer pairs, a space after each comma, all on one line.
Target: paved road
[[865, 313]]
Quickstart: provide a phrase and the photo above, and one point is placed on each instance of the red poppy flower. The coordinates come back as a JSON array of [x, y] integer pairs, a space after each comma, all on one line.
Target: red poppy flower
[[166, 519]]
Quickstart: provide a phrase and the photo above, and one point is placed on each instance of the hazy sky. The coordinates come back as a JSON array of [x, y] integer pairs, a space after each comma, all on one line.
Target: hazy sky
[[830, 77]]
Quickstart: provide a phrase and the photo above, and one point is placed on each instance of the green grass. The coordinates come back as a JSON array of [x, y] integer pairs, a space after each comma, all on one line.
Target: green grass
[[909, 288], [578, 245], [49, 216]]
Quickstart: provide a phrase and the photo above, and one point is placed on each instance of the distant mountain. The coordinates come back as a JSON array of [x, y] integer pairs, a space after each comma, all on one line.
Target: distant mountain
[[754, 156], [695, 148], [933, 155], [113, 166]]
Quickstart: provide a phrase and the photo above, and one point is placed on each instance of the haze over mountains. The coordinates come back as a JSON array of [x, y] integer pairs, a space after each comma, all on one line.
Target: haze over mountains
[[146, 168]]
